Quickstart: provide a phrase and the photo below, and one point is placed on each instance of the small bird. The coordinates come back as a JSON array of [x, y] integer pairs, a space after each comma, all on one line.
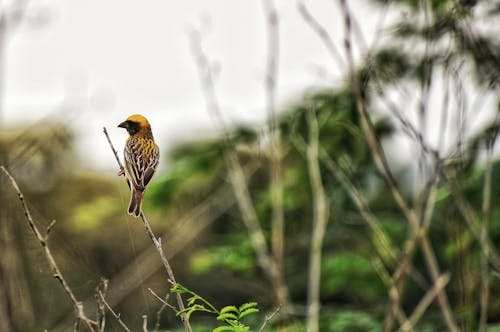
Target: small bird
[[141, 159]]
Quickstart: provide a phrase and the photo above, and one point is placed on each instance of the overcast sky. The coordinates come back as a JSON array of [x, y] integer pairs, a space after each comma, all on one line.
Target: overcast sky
[[92, 63]]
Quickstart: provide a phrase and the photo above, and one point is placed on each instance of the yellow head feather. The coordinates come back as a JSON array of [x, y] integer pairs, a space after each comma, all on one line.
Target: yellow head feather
[[141, 120]]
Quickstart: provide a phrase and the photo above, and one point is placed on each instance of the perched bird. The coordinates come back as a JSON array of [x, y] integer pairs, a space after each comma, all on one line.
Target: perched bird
[[141, 159]]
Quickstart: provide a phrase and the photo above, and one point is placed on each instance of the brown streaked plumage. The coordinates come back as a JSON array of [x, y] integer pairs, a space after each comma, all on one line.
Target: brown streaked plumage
[[141, 159]]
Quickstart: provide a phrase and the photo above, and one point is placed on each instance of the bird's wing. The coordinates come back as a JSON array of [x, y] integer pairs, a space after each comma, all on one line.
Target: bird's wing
[[133, 167], [140, 163], [152, 162]]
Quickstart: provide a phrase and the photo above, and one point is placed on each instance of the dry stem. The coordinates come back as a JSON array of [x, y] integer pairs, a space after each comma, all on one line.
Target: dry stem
[[237, 178], [319, 222], [383, 166], [276, 151], [77, 305], [486, 211], [117, 316], [424, 303], [268, 318]]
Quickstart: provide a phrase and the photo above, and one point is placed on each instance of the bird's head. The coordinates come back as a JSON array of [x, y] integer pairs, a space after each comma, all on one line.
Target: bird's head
[[135, 123]]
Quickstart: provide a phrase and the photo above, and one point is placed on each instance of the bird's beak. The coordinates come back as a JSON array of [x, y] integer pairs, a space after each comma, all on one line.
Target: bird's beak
[[123, 124]]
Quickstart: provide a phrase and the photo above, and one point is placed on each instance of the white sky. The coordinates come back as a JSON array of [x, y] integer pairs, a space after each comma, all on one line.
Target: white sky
[[96, 62], [100, 61]]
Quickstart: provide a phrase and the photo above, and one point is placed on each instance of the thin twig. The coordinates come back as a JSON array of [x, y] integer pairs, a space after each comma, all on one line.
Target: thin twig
[[117, 316], [164, 302], [393, 291], [276, 153], [113, 149], [383, 166], [268, 318], [381, 240], [158, 246], [237, 177], [322, 34], [486, 212], [101, 312], [425, 302], [471, 219], [77, 305], [164, 305]]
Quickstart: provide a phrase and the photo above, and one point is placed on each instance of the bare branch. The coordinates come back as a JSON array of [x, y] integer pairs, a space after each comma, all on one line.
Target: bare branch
[[322, 34], [77, 305], [49, 228], [164, 302], [117, 316], [486, 212], [113, 149], [425, 302], [101, 312], [268, 318], [319, 221], [238, 179], [382, 164], [276, 151]]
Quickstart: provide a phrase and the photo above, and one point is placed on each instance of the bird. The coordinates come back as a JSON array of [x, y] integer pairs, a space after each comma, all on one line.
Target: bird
[[142, 156]]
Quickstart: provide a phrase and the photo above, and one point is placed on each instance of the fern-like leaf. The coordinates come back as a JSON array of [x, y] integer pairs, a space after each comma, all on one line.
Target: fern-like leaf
[[227, 316], [238, 328], [229, 308], [247, 305], [247, 312]]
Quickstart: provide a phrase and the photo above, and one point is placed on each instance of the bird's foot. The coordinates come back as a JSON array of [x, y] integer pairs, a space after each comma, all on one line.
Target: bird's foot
[[121, 172]]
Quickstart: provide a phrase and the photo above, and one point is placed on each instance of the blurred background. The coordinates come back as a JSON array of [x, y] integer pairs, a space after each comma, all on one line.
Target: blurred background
[[239, 153]]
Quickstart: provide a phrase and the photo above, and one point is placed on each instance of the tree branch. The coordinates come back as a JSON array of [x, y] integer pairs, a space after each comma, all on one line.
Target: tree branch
[[319, 222], [238, 178], [117, 316], [77, 305]]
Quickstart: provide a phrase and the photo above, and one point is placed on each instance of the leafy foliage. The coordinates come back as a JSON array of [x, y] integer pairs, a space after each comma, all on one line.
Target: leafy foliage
[[230, 315]]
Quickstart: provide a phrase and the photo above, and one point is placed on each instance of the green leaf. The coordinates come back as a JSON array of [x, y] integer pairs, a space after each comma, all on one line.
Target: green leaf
[[196, 307], [227, 328], [247, 305], [248, 312], [227, 316], [230, 308]]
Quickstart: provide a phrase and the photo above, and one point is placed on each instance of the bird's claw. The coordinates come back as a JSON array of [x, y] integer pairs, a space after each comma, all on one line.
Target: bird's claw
[[121, 172]]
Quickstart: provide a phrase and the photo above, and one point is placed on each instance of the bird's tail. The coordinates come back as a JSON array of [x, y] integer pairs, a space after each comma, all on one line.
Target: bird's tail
[[134, 208]]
